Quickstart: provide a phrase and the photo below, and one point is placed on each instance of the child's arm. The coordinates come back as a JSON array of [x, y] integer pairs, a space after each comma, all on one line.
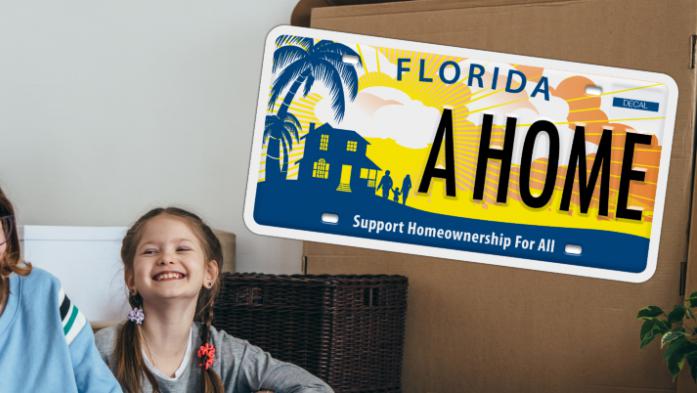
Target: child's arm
[[259, 371], [91, 373], [266, 373]]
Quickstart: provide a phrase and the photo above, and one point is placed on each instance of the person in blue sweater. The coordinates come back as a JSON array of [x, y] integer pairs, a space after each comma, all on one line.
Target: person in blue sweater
[[46, 344]]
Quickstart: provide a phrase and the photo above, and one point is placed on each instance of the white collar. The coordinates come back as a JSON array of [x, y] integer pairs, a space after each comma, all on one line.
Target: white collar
[[182, 367]]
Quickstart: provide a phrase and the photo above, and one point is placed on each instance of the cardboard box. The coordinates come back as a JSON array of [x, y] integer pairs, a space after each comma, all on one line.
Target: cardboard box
[[483, 328]]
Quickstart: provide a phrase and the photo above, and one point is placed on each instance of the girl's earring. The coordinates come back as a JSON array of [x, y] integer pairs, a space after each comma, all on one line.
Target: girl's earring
[[136, 315]]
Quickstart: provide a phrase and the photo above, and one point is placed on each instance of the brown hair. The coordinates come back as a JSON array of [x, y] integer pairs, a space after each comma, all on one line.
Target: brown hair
[[129, 360], [10, 262]]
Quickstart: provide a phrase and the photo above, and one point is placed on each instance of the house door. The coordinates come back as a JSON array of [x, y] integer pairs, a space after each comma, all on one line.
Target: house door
[[345, 182]]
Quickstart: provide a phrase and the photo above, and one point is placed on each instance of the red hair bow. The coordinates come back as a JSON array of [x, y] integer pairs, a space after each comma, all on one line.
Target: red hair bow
[[206, 350]]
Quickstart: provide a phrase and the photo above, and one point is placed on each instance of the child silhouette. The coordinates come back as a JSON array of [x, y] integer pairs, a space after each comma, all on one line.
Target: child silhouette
[[396, 193]]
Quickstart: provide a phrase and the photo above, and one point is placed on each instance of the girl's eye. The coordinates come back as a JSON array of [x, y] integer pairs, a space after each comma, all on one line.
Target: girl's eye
[[149, 252], [182, 249]]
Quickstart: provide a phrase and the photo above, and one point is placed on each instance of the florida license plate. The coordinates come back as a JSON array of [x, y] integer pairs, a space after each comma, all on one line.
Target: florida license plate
[[463, 154]]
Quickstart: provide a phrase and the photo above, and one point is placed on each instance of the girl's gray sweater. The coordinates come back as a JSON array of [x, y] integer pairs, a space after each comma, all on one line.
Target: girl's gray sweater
[[242, 367]]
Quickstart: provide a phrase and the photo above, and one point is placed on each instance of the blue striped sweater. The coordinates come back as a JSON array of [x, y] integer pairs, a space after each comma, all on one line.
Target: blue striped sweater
[[46, 344]]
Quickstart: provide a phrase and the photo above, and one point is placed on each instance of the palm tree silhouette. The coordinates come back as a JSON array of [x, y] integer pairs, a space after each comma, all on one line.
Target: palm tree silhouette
[[279, 132], [302, 61]]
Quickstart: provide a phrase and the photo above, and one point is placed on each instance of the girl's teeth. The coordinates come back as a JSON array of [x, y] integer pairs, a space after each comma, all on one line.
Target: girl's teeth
[[168, 276]]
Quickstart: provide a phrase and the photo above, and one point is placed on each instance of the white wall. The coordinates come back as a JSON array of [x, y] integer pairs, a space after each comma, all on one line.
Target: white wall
[[87, 262], [108, 108]]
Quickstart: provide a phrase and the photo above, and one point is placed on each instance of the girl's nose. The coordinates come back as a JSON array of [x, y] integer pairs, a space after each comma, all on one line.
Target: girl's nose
[[166, 259]]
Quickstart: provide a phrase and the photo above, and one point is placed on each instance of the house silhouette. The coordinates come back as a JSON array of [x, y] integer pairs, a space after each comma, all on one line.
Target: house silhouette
[[334, 159]]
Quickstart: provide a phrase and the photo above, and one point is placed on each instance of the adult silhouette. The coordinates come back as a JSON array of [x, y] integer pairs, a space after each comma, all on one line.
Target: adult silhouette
[[406, 186], [385, 184]]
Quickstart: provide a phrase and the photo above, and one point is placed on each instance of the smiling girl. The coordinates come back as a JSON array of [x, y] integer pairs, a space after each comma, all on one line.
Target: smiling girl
[[171, 266], [46, 344]]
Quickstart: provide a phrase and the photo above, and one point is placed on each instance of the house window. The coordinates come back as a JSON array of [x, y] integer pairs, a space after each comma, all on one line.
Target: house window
[[370, 175], [320, 169], [324, 142], [351, 145]]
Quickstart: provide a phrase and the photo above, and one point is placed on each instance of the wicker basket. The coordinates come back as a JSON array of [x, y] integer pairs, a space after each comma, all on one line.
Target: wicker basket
[[347, 330]]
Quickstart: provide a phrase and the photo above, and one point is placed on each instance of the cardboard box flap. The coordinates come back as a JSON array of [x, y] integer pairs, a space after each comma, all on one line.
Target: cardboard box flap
[[324, 12]]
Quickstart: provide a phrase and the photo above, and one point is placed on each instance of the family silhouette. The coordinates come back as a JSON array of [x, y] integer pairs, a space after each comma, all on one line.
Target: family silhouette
[[386, 184]]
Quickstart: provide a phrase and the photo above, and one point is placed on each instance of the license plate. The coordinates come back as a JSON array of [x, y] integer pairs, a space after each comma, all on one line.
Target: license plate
[[463, 154]]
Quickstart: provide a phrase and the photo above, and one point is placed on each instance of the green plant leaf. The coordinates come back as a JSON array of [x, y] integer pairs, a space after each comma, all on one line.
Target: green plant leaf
[[649, 312], [691, 359], [647, 335], [652, 328], [675, 354], [692, 299], [692, 362], [671, 336], [677, 315]]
